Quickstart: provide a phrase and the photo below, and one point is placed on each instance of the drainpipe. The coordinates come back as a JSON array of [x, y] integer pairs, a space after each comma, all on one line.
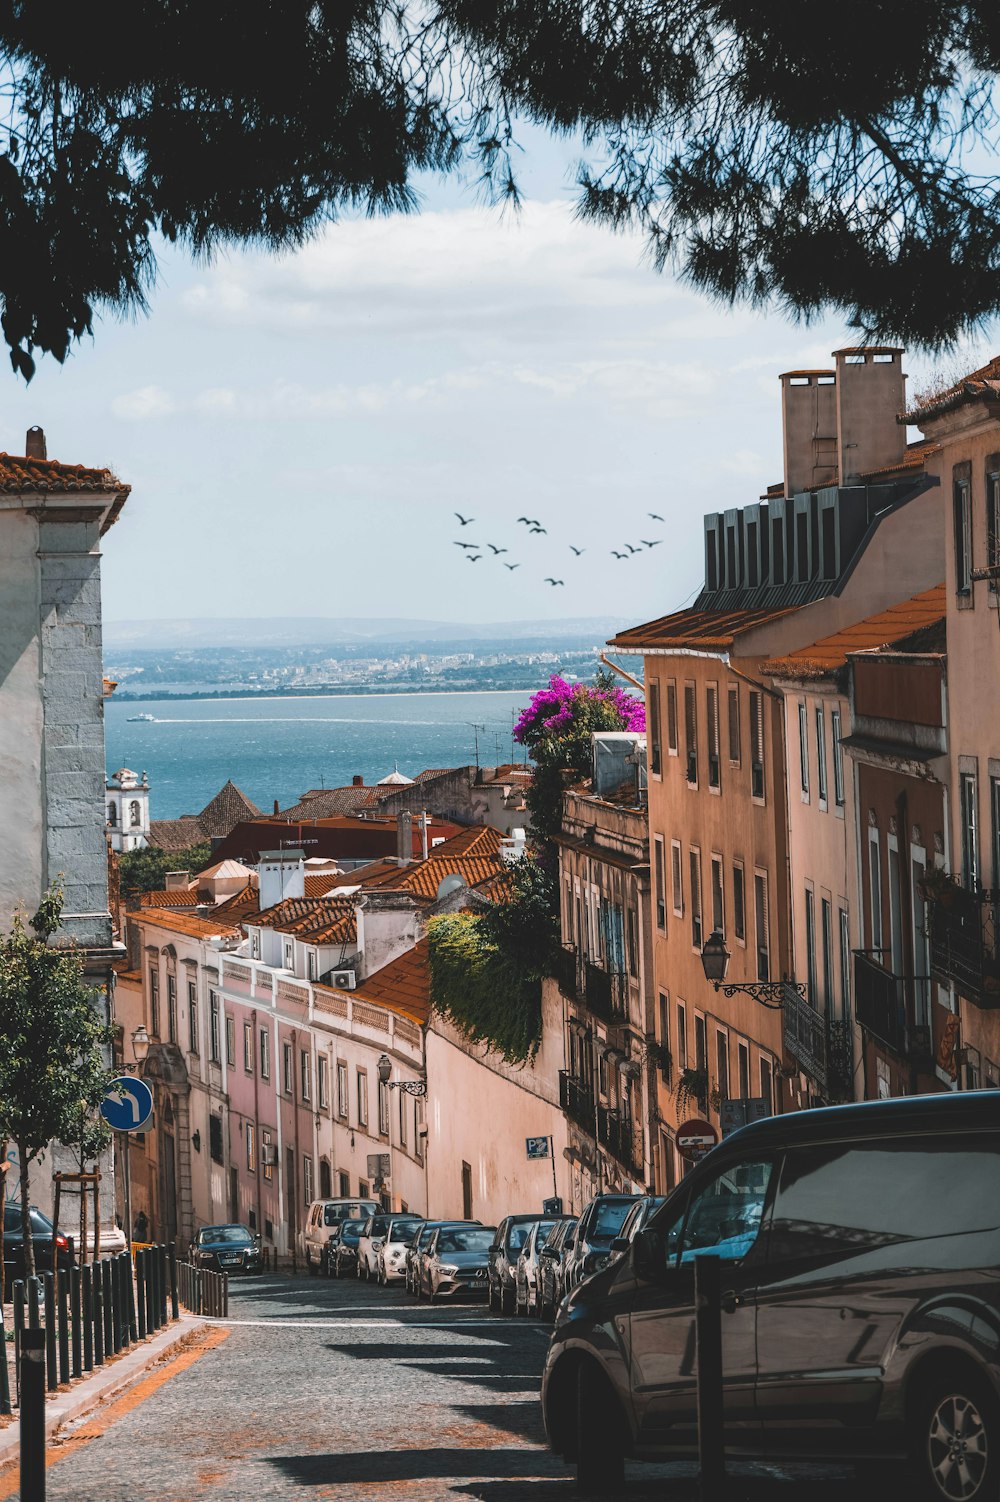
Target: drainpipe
[[256, 1119], [293, 1208]]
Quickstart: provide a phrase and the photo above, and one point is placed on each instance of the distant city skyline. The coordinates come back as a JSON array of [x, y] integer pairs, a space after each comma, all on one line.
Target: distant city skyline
[[299, 431]]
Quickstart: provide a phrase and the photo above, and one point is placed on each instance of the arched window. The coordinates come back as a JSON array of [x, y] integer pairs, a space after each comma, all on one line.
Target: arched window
[[135, 811], [112, 814]]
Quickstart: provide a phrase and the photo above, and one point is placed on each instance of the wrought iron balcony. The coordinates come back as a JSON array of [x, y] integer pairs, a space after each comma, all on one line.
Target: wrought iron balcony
[[605, 993], [879, 1002], [616, 1133], [839, 1061], [566, 971], [577, 1099], [804, 1035], [964, 932]]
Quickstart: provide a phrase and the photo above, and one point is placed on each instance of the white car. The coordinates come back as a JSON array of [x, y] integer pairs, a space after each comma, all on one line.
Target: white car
[[321, 1217], [370, 1243], [390, 1260]]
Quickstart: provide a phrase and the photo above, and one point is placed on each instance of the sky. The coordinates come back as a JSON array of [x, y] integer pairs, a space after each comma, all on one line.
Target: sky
[[299, 431]]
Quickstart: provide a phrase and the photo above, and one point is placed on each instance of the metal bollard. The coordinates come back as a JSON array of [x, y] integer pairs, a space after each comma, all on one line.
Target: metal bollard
[[161, 1253], [708, 1334], [88, 1317], [5, 1405], [108, 1293], [133, 1327], [32, 1383], [76, 1319], [62, 1322], [34, 1288], [154, 1289], [17, 1294], [98, 1315], [121, 1276], [140, 1293], [175, 1312], [49, 1295]]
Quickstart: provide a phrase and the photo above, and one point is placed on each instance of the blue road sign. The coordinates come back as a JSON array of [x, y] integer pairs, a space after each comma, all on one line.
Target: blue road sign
[[538, 1147], [128, 1104]]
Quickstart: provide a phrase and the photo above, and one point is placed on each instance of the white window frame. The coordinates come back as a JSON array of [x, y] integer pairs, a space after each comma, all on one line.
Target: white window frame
[[821, 783], [803, 751]]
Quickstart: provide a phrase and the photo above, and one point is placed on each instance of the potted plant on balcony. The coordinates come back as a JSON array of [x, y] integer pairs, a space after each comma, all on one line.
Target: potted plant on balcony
[[662, 1060], [937, 885], [692, 1089]]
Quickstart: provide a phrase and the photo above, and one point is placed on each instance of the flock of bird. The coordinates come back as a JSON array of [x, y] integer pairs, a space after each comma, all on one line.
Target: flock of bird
[[474, 552]]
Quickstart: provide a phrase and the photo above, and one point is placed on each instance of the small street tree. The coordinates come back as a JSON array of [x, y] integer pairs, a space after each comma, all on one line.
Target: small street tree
[[53, 1046]]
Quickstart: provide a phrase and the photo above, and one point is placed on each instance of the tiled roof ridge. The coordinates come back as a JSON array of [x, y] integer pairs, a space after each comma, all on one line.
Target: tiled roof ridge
[[717, 628], [977, 385], [296, 909], [230, 806], [893, 624], [20, 473]]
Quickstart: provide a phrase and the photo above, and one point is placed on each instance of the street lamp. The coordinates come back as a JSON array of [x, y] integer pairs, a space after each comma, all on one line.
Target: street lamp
[[715, 963], [140, 1044], [409, 1087]]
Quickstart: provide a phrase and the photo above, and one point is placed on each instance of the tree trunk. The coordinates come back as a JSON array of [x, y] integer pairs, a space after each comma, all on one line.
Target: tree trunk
[[28, 1245]]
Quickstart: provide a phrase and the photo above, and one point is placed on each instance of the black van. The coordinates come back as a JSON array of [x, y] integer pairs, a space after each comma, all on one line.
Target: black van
[[861, 1303]]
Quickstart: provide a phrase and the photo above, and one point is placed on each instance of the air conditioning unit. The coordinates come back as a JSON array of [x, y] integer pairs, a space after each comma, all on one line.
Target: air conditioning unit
[[269, 1154], [344, 980]]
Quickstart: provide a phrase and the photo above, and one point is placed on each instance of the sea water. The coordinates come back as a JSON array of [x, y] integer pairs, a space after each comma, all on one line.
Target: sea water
[[279, 748]]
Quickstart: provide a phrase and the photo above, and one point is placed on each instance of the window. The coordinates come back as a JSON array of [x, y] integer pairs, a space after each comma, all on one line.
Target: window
[[743, 1067], [921, 943], [403, 1102], [344, 1184], [676, 878], [289, 953], [251, 1147], [811, 945], [632, 938], [172, 1008], [307, 1178], [255, 944], [895, 909], [993, 516], [215, 1137], [761, 925], [286, 1068], [970, 834], [767, 1083], [714, 737], [663, 1008], [722, 1063], [363, 1189], [134, 813], [694, 874], [682, 1036], [838, 758], [321, 1081], [962, 504], [248, 1047], [756, 743], [418, 1124], [311, 965], [213, 1026], [718, 906], [826, 924], [655, 758], [734, 724], [845, 965], [724, 1218], [821, 755], [661, 897], [267, 1166], [803, 751], [739, 904], [231, 1041], [154, 1002], [691, 733], [875, 889], [362, 1098], [112, 815], [383, 1109], [341, 1089], [265, 1054], [672, 718], [700, 1044], [305, 1072], [995, 823], [192, 1016]]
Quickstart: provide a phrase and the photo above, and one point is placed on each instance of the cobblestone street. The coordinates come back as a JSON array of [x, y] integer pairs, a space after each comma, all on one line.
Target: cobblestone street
[[342, 1390]]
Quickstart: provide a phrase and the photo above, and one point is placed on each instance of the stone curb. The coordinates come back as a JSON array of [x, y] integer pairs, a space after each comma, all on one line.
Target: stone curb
[[83, 1396]]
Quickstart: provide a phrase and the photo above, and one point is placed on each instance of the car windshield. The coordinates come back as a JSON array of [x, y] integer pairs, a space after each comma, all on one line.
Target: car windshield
[[230, 1235], [558, 1232], [609, 1217], [402, 1230], [350, 1230], [544, 1227], [518, 1235], [40, 1224], [473, 1240], [379, 1225]]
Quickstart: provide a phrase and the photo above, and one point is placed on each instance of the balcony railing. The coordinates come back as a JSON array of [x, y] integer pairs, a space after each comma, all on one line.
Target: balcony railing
[[605, 993], [964, 932], [577, 1100], [616, 1133], [565, 971], [804, 1035], [879, 1002], [839, 1061]]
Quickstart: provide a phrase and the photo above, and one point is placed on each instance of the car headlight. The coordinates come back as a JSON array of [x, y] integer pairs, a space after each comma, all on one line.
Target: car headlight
[[449, 1272], [376, 1245], [593, 1261]]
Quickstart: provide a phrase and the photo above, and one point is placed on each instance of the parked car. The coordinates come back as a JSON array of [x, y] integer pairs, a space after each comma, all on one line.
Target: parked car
[[526, 1268], [370, 1243], [391, 1259], [639, 1215], [421, 1276], [503, 1260], [550, 1266], [596, 1229], [414, 1250], [859, 1248], [41, 1236], [456, 1262], [342, 1249], [321, 1217], [227, 1249]]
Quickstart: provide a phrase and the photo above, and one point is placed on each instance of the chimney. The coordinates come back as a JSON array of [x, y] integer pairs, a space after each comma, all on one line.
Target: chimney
[[176, 881], [871, 393], [357, 782], [281, 873], [809, 427], [404, 838], [424, 821], [275, 808], [34, 443]]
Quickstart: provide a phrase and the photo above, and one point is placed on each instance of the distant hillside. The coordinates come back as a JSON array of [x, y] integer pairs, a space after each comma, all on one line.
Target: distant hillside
[[312, 631]]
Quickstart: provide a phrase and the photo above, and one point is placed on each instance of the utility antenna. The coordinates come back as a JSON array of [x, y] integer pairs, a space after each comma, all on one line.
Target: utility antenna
[[476, 730]]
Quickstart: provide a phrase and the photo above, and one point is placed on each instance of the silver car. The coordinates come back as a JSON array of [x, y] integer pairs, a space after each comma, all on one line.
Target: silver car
[[455, 1262], [527, 1293]]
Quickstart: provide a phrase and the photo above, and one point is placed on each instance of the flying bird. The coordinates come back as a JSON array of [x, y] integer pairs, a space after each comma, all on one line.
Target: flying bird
[[619, 555], [555, 581], [654, 516], [540, 529], [465, 520], [466, 544], [473, 557], [654, 544], [512, 566], [631, 548], [497, 550], [577, 551], [529, 521]]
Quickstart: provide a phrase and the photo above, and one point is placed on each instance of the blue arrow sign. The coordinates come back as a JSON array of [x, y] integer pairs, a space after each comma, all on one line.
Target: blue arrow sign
[[128, 1104]]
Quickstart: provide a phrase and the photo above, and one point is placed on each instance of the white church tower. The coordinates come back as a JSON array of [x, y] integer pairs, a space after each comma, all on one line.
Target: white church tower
[[128, 810]]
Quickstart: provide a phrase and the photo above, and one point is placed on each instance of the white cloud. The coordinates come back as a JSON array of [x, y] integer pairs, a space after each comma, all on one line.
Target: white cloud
[[148, 401]]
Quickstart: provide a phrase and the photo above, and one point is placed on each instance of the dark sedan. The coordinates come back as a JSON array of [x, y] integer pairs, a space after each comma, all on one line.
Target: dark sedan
[[41, 1236], [342, 1248], [226, 1249], [456, 1262]]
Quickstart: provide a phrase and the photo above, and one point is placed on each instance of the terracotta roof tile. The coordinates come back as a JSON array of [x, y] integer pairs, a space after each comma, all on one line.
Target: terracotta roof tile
[[183, 897], [22, 476], [979, 385], [915, 457], [175, 834], [710, 630], [892, 625], [228, 808], [188, 924], [321, 883], [241, 905], [315, 920], [402, 986]]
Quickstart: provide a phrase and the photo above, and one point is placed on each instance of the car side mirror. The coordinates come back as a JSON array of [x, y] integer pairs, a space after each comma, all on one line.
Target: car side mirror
[[494, 1248], [649, 1256], [568, 1244], [620, 1244]]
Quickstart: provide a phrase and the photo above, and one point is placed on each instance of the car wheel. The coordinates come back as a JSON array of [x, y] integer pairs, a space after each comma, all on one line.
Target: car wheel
[[955, 1439], [508, 1300], [492, 1296], [600, 1454], [311, 1266]]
